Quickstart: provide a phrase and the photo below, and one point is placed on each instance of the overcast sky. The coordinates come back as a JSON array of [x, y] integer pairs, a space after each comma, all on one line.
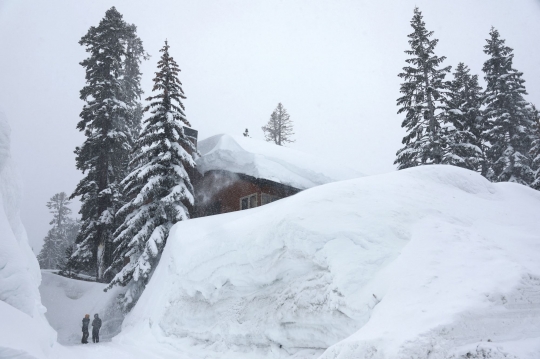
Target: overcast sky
[[333, 65]]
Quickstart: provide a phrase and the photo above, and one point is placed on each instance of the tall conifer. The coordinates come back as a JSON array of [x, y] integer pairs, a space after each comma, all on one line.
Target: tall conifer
[[422, 100], [463, 122], [508, 122], [159, 187], [107, 120]]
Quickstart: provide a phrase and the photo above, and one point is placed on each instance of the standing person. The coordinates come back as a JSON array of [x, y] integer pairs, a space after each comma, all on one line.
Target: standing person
[[85, 322], [96, 324]]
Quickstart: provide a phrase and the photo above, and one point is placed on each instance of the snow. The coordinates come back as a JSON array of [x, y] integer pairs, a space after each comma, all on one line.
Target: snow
[[266, 160], [24, 330], [428, 262], [432, 262], [68, 300]]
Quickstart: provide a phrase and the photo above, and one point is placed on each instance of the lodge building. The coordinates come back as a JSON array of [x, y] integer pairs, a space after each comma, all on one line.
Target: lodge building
[[238, 173]]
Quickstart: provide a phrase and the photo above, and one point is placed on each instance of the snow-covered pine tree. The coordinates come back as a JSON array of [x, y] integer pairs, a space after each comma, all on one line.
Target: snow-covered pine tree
[[422, 100], [279, 128], [60, 236], [462, 130], [109, 121], [535, 150], [508, 123], [159, 187]]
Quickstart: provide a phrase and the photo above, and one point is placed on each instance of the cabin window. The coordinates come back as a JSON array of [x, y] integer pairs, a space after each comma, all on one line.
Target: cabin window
[[268, 198], [248, 201]]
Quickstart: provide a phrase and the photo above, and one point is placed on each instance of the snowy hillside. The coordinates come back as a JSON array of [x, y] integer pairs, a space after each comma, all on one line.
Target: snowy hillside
[[430, 262], [24, 330], [268, 161]]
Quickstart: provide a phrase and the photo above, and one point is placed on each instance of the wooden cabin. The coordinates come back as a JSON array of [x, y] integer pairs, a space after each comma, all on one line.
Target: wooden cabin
[[238, 173], [220, 191]]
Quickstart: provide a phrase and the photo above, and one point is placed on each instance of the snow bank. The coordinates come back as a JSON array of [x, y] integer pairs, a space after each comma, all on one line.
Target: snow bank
[[431, 262], [24, 331], [268, 161], [68, 300]]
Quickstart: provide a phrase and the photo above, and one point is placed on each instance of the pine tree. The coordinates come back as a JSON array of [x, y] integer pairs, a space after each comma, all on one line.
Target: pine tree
[[422, 100], [60, 236], [508, 123], [109, 121], [462, 130], [159, 187], [535, 149], [279, 128]]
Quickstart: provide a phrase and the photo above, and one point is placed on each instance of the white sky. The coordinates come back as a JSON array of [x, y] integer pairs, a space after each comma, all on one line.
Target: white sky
[[333, 65]]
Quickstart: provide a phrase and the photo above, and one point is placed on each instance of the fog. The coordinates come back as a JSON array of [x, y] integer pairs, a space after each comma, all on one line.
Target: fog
[[333, 65]]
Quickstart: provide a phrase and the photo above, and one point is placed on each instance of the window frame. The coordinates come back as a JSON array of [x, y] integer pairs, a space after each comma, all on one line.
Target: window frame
[[248, 197]]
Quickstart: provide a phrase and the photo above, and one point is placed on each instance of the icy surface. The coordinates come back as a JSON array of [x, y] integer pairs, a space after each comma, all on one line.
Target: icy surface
[[269, 161], [24, 331], [431, 262]]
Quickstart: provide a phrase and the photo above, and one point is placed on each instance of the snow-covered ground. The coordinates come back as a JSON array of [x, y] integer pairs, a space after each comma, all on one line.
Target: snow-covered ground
[[265, 160], [427, 263], [68, 300], [431, 262]]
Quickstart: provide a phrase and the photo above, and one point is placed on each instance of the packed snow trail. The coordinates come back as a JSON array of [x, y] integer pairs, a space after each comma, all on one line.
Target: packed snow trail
[[429, 262], [68, 300]]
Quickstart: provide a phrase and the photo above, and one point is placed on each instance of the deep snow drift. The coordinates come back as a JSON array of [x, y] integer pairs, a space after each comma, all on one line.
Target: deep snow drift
[[430, 262], [23, 330], [265, 160]]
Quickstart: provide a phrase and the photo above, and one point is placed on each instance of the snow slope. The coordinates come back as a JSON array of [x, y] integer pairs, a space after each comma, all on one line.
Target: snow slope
[[24, 331], [430, 262], [268, 161]]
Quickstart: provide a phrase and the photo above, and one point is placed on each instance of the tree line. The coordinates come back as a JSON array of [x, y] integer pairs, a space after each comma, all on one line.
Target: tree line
[[136, 162], [493, 131]]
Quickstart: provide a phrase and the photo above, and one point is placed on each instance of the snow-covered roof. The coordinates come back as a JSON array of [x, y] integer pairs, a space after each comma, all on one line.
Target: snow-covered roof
[[265, 160]]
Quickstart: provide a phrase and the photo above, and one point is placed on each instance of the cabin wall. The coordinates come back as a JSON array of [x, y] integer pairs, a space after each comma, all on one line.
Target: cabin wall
[[221, 192]]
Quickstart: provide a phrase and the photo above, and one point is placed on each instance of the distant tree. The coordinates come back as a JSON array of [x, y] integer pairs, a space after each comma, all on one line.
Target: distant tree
[[463, 123], [159, 187], [246, 133], [422, 100], [60, 236], [535, 149], [279, 128], [508, 116], [68, 265], [109, 120]]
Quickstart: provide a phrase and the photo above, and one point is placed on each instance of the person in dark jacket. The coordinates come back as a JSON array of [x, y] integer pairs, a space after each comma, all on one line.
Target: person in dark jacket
[[85, 322], [96, 324]]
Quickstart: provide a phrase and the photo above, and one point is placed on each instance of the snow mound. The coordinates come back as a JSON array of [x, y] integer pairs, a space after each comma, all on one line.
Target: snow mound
[[268, 161], [24, 332], [430, 262]]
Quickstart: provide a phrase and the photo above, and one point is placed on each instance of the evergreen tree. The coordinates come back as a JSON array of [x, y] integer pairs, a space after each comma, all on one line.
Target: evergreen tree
[[109, 120], [508, 122], [279, 128], [60, 236], [535, 150], [159, 187], [462, 131], [422, 100]]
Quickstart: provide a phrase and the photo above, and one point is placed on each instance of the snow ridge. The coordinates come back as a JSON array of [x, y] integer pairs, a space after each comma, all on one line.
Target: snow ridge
[[407, 264]]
